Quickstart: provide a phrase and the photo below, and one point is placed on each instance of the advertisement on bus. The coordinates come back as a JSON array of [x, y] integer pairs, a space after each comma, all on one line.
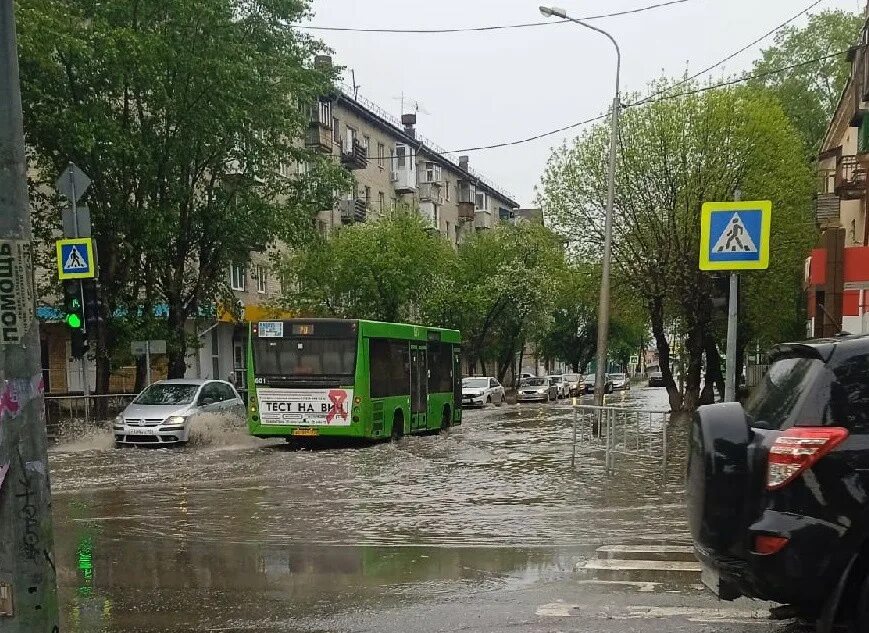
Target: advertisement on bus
[[305, 407]]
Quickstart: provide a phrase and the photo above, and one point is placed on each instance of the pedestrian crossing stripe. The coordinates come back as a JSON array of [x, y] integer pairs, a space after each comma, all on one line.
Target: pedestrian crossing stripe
[[735, 235], [735, 238], [75, 258]]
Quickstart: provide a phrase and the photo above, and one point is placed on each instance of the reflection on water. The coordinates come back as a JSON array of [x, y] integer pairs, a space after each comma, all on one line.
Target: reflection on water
[[247, 532]]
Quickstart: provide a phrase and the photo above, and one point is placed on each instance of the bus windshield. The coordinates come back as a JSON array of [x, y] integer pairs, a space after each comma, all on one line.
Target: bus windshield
[[305, 357]]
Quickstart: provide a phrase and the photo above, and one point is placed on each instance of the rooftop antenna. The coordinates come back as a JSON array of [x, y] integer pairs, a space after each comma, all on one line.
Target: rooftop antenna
[[417, 106], [355, 85]]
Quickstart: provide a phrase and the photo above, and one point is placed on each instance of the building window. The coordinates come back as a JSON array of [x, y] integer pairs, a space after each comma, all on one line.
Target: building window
[[448, 230], [236, 277], [325, 112], [381, 199], [432, 172], [302, 168], [481, 201], [381, 154], [336, 130], [348, 141], [322, 228], [261, 279], [400, 156], [366, 141], [447, 192], [215, 353], [367, 196]]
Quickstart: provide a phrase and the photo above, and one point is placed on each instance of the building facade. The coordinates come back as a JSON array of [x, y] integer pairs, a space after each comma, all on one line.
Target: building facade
[[392, 166], [837, 271]]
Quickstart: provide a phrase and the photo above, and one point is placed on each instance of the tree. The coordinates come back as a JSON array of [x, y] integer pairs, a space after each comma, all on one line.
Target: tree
[[674, 155], [183, 113], [379, 270], [571, 332], [810, 93], [503, 287]]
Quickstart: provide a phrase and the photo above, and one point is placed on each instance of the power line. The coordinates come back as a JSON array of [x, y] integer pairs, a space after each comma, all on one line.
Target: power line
[[658, 98], [740, 51], [497, 27]]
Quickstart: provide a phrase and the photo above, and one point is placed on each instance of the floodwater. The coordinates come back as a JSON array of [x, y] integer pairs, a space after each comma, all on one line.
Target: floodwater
[[235, 533]]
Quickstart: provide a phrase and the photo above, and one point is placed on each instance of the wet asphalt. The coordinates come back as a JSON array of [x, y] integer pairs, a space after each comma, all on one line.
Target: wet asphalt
[[486, 527]]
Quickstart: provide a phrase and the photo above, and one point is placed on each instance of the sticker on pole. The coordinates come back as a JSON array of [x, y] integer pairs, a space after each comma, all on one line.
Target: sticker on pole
[[735, 235], [17, 308], [75, 258]]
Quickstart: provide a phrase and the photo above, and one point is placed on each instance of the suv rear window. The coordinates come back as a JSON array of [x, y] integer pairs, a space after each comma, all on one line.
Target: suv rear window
[[794, 392]]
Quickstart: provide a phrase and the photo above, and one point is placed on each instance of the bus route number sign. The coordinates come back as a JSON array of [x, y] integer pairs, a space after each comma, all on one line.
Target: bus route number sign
[[271, 329]]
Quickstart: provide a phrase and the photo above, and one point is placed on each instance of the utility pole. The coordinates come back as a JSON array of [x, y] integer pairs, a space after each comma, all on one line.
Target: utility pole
[[28, 583], [732, 324]]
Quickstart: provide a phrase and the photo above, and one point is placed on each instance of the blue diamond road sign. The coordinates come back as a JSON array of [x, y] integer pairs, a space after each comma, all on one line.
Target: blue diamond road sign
[[75, 258], [735, 235]]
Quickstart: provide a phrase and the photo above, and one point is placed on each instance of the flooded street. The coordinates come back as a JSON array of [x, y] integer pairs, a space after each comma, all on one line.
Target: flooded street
[[234, 533]]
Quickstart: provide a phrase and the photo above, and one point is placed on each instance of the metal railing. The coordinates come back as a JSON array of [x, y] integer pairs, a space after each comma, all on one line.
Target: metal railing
[[621, 431], [83, 409]]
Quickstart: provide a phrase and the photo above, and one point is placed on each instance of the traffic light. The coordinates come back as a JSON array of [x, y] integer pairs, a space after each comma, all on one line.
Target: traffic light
[[73, 317], [93, 314]]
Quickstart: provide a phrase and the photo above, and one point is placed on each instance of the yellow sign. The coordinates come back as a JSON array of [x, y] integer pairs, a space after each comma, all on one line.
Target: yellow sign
[[735, 235], [75, 258]]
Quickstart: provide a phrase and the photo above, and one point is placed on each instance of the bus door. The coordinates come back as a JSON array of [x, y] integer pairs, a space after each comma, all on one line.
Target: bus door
[[418, 387]]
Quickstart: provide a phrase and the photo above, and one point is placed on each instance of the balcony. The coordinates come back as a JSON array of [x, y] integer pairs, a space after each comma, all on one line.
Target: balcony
[[482, 219], [858, 87], [429, 213], [826, 203], [850, 178], [353, 210], [319, 138], [354, 155], [466, 211], [431, 192]]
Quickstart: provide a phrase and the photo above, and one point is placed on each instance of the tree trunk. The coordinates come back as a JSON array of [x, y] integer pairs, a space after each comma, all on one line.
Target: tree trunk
[[656, 312], [103, 368], [177, 353], [141, 373], [694, 348], [714, 377]]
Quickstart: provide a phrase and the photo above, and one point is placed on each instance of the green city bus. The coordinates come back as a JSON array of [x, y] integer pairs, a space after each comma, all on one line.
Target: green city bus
[[351, 378]]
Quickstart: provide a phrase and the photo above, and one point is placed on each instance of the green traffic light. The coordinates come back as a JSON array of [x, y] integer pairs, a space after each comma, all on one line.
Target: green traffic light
[[73, 321]]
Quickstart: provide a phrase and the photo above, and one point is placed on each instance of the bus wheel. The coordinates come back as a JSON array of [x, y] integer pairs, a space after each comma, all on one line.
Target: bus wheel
[[397, 426], [446, 421]]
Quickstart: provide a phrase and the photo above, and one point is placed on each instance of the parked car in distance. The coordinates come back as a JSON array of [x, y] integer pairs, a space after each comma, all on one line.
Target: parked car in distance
[[588, 384], [478, 391], [777, 490], [164, 412], [656, 379], [574, 384], [621, 382], [536, 389], [563, 389]]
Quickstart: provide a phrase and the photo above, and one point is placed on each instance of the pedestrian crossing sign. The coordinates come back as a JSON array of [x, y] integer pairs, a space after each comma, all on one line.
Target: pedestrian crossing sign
[[735, 235], [75, 258]]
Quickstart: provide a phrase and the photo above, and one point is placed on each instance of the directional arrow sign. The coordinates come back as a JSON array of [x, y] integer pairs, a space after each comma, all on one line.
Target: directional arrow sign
[[72, 183]]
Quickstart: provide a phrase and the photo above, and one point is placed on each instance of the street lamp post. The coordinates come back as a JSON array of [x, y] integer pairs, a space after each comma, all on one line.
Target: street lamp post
[[603, 317]]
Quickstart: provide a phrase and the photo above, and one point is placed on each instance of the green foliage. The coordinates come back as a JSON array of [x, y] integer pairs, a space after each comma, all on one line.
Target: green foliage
[[809, 94], [381, 270], [182, 112], [675, 155]]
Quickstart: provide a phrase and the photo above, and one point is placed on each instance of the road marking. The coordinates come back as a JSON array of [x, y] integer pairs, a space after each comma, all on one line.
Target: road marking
[[558, 610]]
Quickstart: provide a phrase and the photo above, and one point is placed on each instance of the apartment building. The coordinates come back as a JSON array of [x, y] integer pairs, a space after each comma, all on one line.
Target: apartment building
[[394, 165], [391, 164], [837, 271]]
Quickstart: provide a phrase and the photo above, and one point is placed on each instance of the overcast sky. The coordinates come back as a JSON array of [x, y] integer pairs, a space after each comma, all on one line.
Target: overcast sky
[[484, 88]]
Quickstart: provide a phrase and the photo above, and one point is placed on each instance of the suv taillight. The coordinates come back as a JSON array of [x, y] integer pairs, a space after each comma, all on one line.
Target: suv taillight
[[798, 449]]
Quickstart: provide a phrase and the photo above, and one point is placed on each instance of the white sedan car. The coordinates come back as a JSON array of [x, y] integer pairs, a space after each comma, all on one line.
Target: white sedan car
[[478, 391], [164, 412]]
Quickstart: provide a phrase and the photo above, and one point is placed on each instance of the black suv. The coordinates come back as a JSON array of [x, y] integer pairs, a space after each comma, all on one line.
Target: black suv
[[778, 491]]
